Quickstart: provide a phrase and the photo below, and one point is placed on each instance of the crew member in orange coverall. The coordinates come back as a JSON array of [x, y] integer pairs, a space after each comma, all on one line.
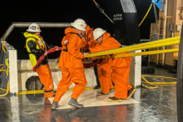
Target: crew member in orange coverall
[[89, 37], [71, 64], [119, 66]]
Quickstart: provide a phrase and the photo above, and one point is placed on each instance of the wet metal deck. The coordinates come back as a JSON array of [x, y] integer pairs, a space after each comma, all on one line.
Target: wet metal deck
[[158, 105]]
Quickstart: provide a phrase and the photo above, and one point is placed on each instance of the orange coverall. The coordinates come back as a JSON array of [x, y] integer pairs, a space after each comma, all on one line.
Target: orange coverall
[[46, 79], [89, 45], [88, 37], [119, 66], [71, 65]]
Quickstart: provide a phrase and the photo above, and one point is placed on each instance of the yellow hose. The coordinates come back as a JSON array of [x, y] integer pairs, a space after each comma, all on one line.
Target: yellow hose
[[148, 45], [155, 84], [146, 15], [7, 99], [3, 47], [1, 70], [146, 53], [7, 90], [7, 72]]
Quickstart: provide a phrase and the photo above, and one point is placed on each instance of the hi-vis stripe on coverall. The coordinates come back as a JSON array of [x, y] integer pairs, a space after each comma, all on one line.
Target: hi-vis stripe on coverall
[[119, 66], [71, 65]]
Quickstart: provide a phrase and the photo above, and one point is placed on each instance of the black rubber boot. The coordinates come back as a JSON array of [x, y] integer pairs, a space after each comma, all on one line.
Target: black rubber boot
[[97, 87], [54, 105], [73, 102], [101, 93], [97, 78], [111, 90]]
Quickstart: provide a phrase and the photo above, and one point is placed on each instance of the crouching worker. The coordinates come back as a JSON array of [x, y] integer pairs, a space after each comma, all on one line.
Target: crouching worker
[[119, 66], [71, 64], [36, 47]]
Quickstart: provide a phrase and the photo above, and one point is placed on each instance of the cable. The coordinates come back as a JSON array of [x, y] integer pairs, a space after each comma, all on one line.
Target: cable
[[7, 72], [43, 56], [3, 47], [102, 11], [156, 16], [7, 90], [146, 15], [134, 47], [147, 45], [53, 50], [154, 85]]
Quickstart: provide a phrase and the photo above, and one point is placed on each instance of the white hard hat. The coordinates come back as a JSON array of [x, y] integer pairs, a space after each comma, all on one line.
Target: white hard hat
[[79, 24], [98, 32], [34, 28]]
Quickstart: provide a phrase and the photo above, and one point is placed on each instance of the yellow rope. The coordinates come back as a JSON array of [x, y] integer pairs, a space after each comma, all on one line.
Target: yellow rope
[[3, 47], [7, 99], [7, 90], [141, 53], [7, 72], [147, 45], [146, 15], [153, 44], [42, 91], [95, 2], [154, 85], [147, 53], [1, 70]]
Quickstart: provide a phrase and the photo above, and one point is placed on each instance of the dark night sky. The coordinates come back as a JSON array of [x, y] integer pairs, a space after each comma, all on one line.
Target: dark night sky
[[60, 11]]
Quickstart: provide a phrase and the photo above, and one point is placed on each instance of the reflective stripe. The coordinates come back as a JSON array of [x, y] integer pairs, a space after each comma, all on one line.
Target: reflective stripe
[[39, 43], [66, 41], [49, 90]]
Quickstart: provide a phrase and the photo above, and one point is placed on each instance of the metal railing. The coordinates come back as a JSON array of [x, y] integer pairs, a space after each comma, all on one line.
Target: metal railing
[[26, 24]]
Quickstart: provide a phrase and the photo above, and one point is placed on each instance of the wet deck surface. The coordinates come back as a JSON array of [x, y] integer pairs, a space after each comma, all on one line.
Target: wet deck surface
[[157, 105]]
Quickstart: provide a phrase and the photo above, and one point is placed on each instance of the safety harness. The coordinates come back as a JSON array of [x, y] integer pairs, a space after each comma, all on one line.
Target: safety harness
[[66, 41], [39, 43]]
